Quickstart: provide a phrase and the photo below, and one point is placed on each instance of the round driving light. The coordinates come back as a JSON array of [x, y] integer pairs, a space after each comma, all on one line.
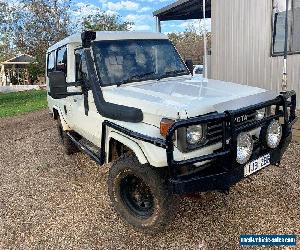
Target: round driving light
[[194, 134], [244, 148], [274, 134], [260, 114]]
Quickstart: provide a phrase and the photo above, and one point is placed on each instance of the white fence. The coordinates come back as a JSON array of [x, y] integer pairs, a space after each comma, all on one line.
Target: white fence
[[17, 88]]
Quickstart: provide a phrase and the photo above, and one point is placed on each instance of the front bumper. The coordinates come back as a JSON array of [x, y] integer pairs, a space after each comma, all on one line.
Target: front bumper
[[223, 171], [219, 177]]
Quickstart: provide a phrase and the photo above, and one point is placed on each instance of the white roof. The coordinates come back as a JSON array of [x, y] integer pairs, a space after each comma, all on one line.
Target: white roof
[[110, 35]]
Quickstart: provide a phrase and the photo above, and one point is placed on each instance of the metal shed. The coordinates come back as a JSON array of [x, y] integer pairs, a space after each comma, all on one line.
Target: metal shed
[[242, 40]]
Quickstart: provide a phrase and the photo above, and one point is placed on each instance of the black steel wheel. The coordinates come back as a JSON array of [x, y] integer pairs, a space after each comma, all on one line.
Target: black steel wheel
[[140, 195], [137, 196]]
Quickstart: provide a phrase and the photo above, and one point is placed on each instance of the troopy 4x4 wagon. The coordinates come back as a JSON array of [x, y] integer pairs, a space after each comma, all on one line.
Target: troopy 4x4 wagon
[[128, 98]]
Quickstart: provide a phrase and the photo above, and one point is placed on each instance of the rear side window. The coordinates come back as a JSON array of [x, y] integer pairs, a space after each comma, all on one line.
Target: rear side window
[[51, 62], [61, 62]]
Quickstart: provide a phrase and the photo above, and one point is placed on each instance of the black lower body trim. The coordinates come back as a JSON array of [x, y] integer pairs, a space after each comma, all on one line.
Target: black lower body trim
[[83, 148], [217, 177]]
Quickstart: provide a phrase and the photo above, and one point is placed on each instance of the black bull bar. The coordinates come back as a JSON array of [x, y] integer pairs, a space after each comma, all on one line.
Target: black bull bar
[[218, 176]]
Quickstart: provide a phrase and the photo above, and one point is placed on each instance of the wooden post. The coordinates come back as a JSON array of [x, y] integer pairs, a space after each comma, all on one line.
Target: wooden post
[[18, 75], [2, 75], [12, 74]]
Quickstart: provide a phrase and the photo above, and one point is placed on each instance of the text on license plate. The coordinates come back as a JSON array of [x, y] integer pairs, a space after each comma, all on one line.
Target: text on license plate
[[257, 165]]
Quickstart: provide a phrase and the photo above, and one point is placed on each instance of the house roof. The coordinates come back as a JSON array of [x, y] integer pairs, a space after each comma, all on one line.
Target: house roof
[[184, 10], [20, 59]]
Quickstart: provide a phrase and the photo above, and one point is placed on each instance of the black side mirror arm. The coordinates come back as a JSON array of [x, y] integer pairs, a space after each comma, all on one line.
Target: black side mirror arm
[[190, 65]]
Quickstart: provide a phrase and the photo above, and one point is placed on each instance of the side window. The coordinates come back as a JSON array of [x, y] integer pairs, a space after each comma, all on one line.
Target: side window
[[279, 14], [51, 62], [61, 62], [296, 26], [78, 57]]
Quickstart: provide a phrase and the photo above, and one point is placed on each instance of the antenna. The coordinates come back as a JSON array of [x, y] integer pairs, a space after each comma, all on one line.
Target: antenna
[[204, 39], [284, 74]]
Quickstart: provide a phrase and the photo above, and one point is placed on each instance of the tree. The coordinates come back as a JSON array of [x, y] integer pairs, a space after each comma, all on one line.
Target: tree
[[35, 70], [44, 23], [105, 22], [6, 18], [190, 45], [32, 26]]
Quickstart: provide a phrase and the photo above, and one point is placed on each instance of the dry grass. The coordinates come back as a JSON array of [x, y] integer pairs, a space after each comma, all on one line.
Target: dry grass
[[51, 201]]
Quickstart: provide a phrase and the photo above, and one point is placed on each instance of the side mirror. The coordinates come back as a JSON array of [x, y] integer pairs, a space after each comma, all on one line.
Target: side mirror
[[190, 65], [58, 85]]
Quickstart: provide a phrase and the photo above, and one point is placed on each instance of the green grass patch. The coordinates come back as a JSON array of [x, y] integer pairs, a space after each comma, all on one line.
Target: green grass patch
[[16, 103]]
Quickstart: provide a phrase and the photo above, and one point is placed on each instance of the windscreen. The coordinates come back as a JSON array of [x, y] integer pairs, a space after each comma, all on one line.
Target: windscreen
[[123, 61]]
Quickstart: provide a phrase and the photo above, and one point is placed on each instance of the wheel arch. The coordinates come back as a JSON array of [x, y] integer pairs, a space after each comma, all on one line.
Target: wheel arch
[[57, 114], [128, 143]]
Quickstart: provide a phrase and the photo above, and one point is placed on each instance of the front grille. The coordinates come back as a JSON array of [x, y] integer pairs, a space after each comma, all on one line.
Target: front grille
[[215, 129], [214, 133]]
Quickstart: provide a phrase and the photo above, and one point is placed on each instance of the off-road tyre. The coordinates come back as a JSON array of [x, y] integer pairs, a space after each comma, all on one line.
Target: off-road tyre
[[69, 147], [156, 217]]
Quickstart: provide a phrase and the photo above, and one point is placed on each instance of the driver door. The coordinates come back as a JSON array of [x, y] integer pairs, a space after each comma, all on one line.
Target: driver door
[[85, 118]]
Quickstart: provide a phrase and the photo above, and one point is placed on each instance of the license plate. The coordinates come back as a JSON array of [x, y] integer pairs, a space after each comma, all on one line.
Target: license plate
[[257, 165]]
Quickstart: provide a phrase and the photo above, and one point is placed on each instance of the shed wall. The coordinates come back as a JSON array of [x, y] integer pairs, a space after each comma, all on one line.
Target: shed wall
[[241, 46]]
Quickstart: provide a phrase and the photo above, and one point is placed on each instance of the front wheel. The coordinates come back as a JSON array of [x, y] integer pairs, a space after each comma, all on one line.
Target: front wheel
[[139, 195]]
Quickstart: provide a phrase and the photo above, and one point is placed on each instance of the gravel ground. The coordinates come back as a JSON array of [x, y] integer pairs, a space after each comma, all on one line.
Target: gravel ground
[[52, 201]]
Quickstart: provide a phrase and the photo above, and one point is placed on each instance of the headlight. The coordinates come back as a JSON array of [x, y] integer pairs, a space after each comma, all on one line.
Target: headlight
[[244, 148], [274, 134], [195, 134], [264, 112]]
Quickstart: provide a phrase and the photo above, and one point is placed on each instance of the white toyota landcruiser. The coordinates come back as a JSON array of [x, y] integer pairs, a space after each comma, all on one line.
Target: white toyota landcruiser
[[128, 98]]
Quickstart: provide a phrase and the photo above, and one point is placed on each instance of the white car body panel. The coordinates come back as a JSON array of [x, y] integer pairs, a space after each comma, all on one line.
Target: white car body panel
[[180, 97], [173, 98]]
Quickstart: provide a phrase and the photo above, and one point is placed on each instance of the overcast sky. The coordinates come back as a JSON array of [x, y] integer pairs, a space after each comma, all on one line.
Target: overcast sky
[[137, 11]]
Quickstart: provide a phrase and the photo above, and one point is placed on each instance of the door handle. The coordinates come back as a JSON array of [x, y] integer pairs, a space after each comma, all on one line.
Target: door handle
[[75, 100]]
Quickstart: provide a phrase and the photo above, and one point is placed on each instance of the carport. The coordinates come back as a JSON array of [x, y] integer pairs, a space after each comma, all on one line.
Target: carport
[[183, 10], [15, 70]]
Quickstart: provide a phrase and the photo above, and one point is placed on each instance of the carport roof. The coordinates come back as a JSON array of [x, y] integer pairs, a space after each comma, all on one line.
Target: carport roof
[[20, 59], [184, 10]]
